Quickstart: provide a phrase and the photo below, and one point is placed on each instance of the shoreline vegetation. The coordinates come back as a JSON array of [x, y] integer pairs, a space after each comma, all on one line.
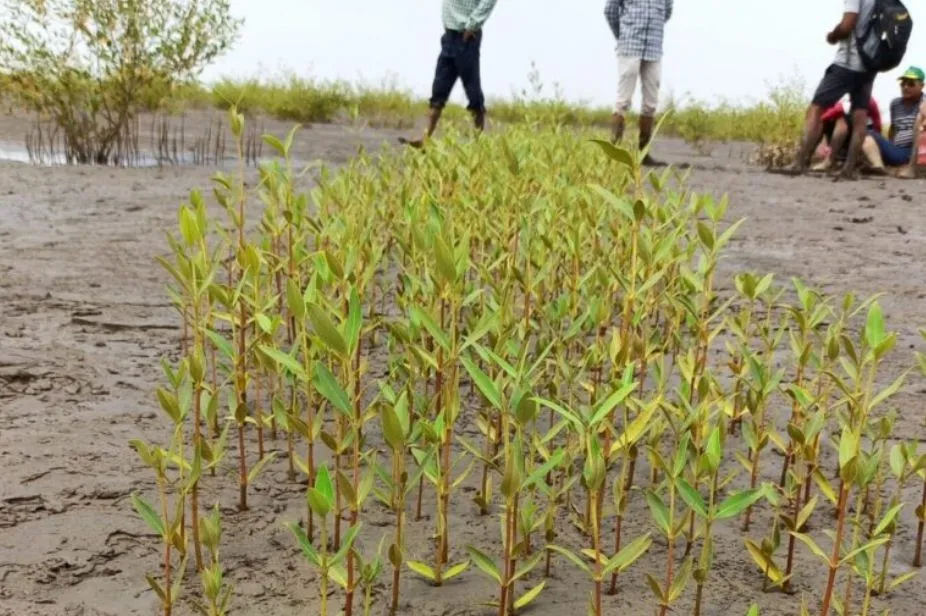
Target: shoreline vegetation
[[774, 120]]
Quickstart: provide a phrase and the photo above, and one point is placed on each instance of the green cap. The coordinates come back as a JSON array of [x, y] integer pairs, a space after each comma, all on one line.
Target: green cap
[[915, 73]]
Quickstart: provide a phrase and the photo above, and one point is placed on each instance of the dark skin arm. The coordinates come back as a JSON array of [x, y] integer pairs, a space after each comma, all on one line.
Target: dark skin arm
[[844, 29]]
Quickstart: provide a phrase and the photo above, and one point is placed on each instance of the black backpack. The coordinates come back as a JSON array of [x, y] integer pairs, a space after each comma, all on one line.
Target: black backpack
[[884, 42]]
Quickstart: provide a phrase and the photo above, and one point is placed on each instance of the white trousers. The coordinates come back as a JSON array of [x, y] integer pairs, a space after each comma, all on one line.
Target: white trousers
[[629, 71]]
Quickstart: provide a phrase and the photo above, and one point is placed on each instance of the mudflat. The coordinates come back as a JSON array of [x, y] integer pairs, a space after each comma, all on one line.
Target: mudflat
[[85, 319]]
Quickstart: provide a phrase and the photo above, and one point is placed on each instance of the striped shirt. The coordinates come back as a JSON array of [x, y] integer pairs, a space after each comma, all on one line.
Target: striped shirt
[[469, 15], [903, 120], [638, 26]]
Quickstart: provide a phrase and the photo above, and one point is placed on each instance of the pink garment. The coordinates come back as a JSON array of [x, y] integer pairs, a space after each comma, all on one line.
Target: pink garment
[[874, 113]]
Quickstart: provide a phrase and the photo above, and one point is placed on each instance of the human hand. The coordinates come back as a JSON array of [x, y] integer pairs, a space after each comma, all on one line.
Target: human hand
[[831, 38], [469, 35]]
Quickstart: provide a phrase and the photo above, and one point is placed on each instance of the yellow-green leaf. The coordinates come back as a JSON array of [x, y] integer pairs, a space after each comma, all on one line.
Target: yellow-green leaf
[[422, 570], [326, 330], [529, 596]]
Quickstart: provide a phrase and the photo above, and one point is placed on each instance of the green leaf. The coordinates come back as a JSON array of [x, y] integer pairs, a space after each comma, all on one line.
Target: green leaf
[[308, 549], [705, 235], [328, 386], [422, 570], [324, 484], [274, 142], [617, 154], [189, 227], [221, 343], [392, 429], [681, 581], [637, 428], [440, 337], [566, 414], [888, 391], [692, 497], [294, 300], [611, 402], [660, 511], [347, 542], [529, 596], [571, 557], [326, 330], [848, 447], [621, 204], [318, 502], [874, 326], [284, 359], [148, 514], [874, 543], [810, 543], [541, 472], [628, 555], [737, 503], [156, 587], [257, 468], [901, 579], [888, 518], [354, 320], [454, 571], [446, 265], [483, 382], [486, 564]]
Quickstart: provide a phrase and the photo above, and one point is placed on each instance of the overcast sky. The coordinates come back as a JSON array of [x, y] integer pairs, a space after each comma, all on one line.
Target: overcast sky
[[714, 48]]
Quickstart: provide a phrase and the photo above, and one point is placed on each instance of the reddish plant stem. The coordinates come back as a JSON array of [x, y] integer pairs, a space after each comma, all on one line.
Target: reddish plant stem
[[837, 547], [918, 558]]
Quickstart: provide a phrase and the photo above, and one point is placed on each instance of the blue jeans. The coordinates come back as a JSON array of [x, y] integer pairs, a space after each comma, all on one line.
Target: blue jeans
[[892, 154], [458, 59]]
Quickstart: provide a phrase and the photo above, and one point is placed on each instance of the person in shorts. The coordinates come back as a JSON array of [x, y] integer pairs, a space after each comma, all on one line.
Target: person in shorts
[[899, 147], [845, 75]]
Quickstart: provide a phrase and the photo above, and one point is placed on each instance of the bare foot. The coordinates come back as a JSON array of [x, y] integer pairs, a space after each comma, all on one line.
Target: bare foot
[[907, 173]]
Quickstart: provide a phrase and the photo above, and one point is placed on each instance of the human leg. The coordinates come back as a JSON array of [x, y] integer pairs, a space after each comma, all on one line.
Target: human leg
[[834, 84], [910, 170], [840, 139], [650, 77], [860, 96], [892, 154], [836, 133], [468, 67], [859, 124], [445, 77], [872, 153], [628, 71]]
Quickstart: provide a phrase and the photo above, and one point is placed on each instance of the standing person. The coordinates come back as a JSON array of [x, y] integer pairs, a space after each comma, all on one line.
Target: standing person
[[638, 26], [846, 75], [459, 59]]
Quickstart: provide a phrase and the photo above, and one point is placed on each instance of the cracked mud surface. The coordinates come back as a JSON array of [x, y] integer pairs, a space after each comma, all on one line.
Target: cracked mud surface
[[84, 320]]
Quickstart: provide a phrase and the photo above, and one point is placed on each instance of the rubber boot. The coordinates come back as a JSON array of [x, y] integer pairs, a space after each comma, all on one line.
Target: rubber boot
[[617, 128], [646, 133]]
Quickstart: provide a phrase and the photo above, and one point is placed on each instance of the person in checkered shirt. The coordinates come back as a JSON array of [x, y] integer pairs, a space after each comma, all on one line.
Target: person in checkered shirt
[[459, 59], [639, 27]]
